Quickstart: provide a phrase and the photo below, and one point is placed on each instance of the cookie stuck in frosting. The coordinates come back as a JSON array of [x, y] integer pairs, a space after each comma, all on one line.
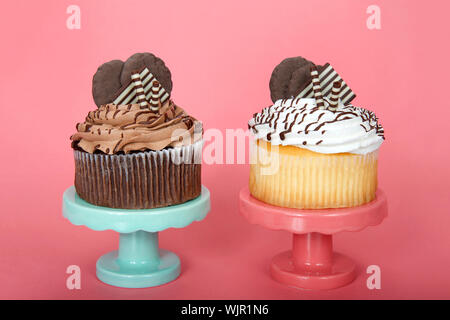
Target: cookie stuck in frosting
[[114, 129], [114, 77], [292, 79], [290, 76]]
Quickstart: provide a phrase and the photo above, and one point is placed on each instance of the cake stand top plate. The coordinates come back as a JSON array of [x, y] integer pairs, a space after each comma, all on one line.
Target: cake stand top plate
[[326, 221], [80, 212]]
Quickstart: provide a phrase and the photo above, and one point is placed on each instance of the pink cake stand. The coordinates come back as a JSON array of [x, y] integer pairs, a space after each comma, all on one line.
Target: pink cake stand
[[312, 264]]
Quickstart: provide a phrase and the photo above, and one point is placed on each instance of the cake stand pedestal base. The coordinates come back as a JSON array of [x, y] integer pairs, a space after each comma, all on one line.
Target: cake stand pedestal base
[[312, 264], [139, 262]]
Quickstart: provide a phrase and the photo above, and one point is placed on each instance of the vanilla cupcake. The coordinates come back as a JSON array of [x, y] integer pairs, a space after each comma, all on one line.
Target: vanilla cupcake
[[139, 150], [315, 152]]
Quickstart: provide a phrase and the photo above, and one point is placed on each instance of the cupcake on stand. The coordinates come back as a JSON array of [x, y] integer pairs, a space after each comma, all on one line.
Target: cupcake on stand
[[137, 170], [313, 171]]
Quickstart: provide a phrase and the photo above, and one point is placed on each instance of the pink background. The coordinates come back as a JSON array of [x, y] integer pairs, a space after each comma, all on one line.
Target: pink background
[[228, 50]]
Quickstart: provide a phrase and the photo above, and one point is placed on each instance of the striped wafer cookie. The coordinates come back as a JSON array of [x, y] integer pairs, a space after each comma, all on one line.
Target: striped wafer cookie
[[334, 98], [327, 76], [155, 96], [316, 87], [136, 80], [128, 94]]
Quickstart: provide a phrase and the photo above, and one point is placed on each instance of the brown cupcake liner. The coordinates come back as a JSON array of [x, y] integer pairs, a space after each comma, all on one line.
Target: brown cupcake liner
[[141, 180]]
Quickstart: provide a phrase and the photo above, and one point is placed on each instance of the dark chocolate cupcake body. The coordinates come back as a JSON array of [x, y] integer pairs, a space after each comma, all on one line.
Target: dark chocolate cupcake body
[[141, 180]]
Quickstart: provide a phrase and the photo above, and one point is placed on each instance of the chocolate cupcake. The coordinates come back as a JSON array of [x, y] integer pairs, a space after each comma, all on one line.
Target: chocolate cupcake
[[138, 150]]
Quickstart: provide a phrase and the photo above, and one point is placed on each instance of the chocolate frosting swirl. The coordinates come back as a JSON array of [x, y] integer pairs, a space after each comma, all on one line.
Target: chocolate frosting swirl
[[116, 129]]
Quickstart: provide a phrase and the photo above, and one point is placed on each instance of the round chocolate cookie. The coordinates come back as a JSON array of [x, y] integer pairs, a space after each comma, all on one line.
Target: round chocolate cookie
[[106, 82], [290, 77], [156, 66], [114, 75]]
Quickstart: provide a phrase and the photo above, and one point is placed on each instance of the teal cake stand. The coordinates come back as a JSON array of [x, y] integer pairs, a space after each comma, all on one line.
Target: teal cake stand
[[139, 263]]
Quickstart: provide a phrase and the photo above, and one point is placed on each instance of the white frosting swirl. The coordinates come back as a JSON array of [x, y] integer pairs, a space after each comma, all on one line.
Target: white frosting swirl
[[299, 122]]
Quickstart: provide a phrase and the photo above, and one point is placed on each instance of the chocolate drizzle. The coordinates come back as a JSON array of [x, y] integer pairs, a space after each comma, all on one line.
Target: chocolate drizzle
[[303, 117], [283, 134]]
